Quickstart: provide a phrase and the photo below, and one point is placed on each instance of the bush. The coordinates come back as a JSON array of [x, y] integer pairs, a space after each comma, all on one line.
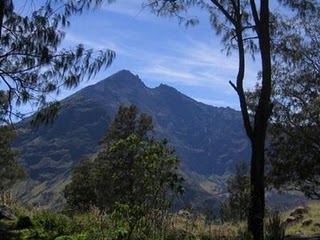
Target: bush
[[47, 225], [53, 222], [274, 229]]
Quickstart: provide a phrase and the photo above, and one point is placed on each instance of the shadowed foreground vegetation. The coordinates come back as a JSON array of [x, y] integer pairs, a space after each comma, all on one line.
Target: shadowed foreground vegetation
[[45, 224], [23, 222]]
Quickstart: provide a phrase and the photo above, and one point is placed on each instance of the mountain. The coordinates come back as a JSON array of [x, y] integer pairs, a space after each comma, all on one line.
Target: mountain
[[208, 140]]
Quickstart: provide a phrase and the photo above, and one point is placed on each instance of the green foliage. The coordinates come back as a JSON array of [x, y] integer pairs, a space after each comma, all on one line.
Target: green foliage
[[82, 189], [295, 131], [56, 223], [32, 63], [80, 236], [97, 225], [127, 122], [236, 206], [83, 227], [48, 225], [275, 228], [133, 178], [10, 170]]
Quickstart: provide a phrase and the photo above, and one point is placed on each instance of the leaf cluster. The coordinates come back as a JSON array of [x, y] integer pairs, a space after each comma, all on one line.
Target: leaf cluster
[[10, 170], [295, 148], [236, 207]]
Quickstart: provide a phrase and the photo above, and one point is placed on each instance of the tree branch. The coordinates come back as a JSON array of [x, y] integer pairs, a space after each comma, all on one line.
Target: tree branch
[[224, 11], [254, 12]]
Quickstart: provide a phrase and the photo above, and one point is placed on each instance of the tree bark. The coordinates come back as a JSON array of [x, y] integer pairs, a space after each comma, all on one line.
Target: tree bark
[[257, 200], [263, 112]]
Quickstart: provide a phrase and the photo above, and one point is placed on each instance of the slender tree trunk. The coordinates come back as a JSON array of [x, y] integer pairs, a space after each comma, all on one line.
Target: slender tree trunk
[[263, 112], [257, 204]]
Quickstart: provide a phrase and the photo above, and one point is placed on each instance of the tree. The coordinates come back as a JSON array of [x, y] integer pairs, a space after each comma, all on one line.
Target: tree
[[80, 192], [32, 63], [10, 170], [247, 27], [295, 129], [131, 177], [237, 204]]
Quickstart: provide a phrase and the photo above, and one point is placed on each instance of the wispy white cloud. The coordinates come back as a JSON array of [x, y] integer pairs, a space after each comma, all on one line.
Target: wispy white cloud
[[199, 64], [191, 62], [131, 8], [175, 75], [205, 54]]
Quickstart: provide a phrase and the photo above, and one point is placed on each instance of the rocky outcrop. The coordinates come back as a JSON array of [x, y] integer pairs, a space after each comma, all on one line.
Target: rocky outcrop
[[297, 215]]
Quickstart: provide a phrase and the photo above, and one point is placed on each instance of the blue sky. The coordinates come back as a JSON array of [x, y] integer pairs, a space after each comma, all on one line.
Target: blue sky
[[160, 50]]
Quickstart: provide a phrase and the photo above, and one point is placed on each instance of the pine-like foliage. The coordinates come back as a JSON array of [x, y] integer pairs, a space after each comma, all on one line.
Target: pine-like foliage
[[33, 64]]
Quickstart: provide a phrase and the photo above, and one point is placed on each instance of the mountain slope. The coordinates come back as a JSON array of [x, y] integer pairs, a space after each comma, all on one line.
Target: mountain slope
[[208, 140]]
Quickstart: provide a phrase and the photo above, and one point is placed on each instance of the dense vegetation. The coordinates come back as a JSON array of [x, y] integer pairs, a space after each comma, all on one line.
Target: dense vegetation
[[10, 170], [236, 207], [37, 224], [295, 127]]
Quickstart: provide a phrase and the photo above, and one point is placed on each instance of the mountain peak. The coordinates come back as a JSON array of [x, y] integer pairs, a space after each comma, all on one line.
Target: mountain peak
[[123, 72], [120, 80], [124, 78], [164, 88]]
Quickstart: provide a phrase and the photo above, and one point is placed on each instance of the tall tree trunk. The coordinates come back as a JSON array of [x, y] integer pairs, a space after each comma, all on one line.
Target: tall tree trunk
[[263, 112], [257, 204]]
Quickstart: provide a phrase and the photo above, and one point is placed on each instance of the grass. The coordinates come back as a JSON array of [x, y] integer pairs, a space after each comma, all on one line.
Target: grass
[[53, 225], [312, 214], [50, 225]]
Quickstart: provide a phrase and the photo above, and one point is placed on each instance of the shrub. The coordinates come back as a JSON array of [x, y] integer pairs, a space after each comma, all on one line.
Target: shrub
[[275, 229]]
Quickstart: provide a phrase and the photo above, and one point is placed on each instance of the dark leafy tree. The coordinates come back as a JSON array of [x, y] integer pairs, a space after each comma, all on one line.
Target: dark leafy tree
[[81, 194], [32, 63], [236, 206], [126, 122], [239, 192], [10, 170], [295, 132], [133, 176]]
